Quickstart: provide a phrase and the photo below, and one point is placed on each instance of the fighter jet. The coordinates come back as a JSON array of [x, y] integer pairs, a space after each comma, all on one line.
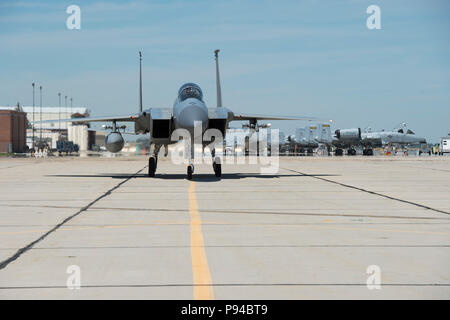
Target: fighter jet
[[188, 110], [349, 138], [309, 138]]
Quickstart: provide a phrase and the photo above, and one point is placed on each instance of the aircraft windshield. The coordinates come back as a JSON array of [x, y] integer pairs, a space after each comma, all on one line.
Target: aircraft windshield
[[190, 90]]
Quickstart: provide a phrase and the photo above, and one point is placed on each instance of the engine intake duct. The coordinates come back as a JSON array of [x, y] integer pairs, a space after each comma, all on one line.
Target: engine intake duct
[[348, 134]]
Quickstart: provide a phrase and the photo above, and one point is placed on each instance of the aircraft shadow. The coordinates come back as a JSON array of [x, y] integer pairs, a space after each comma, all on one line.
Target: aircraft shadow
[[202, 177]]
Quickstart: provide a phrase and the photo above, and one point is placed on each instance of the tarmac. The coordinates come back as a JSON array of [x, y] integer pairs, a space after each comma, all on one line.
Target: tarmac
[[313, 230]]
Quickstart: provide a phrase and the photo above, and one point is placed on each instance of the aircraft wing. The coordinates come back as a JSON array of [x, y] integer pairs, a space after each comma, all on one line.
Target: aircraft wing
[[243, 116], [123, 118]]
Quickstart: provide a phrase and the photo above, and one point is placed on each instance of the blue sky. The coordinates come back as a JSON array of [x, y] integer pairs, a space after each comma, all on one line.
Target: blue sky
[[311, 57]]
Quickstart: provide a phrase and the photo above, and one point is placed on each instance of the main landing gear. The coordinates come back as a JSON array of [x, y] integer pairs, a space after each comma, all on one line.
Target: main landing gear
[[153, 162], [217, 166]]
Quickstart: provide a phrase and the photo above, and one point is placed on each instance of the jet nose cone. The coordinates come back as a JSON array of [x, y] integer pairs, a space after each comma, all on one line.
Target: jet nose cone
[[191, 114]]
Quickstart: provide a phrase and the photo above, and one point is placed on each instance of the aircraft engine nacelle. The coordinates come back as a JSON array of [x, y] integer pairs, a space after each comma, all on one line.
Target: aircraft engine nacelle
[[114, 142], [348, 134]]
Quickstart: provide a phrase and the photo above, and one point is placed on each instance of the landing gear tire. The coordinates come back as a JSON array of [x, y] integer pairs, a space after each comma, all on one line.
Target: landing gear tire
[[369, 152], [152, 166], [351, 152], [217, 169], [339, 152], [190, 171]]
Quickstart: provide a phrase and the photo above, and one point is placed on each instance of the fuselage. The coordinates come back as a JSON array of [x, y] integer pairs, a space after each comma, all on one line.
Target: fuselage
[[188, 111], [376, 139], [390, 137]]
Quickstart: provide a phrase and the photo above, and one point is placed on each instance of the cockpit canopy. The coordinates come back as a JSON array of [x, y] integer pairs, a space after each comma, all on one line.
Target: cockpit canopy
[[190, 90], [407, 132]]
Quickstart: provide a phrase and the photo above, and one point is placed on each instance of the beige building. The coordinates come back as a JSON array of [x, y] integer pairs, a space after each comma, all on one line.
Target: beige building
[[54, 131]]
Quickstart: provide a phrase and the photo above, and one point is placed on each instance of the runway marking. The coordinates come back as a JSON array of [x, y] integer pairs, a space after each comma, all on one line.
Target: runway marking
[[374, 246], [249, 211], [233, 285], [203, 289], [21, 251], [327, 225], [368, 191], [349, 228]]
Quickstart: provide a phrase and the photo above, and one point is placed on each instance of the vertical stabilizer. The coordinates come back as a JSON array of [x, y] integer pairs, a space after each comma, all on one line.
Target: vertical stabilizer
[[219, 90], [140, 81]]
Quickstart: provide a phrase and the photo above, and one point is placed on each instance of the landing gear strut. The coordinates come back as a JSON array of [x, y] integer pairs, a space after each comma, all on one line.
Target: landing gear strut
[[153, 162], [190, 171], [217, 166]]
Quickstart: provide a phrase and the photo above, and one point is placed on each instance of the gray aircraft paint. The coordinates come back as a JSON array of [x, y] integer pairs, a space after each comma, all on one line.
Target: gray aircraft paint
[[183, 115], [399, 136]]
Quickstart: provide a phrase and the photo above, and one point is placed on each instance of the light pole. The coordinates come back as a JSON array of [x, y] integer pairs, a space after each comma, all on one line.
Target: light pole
[[65, 98], [32, 126], [59, 116], [40, 139], [71, 107]]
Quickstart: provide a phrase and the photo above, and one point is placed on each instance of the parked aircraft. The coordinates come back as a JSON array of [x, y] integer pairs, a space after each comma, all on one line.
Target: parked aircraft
[[188, 110], [309, 138], [349, 138]]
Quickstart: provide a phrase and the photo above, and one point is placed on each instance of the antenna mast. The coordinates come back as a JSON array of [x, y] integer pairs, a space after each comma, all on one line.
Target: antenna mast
[[219, 90], [140, 81]]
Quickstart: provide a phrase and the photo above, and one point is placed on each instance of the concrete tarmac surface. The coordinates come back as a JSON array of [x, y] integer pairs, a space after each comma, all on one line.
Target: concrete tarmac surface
[[311, 231]]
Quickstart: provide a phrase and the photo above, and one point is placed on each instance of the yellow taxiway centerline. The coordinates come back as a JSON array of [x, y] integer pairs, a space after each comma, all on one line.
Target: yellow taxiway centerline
[[203, 289]]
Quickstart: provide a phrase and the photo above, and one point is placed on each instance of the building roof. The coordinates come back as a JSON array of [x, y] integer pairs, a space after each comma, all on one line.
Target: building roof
[[37, 109], [13, 108]]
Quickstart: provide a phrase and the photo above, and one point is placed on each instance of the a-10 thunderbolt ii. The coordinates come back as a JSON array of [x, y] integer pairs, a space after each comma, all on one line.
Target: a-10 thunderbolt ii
[[309, 138], [349, 138], [188, 110]]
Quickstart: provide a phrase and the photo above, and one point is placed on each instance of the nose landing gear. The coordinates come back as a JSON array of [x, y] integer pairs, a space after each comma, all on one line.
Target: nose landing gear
[[190, 171], [217, 166], [152, 164]]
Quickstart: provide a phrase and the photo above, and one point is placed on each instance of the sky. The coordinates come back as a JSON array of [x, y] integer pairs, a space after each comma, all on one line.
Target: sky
[[301, 58]]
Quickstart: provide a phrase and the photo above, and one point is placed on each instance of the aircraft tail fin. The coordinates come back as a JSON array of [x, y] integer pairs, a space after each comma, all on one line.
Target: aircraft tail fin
[[219, 90], [140, 82]]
